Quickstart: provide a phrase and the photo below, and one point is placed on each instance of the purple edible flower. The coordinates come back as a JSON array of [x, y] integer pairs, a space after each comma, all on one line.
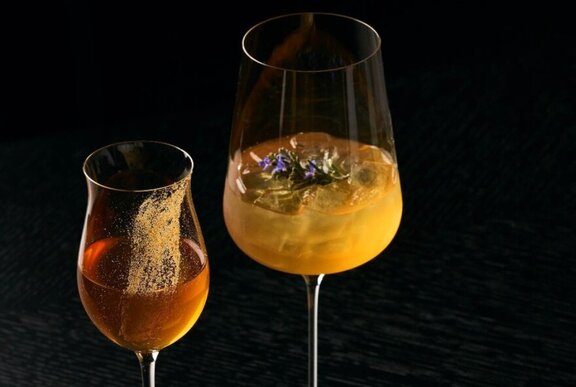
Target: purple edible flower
[[301, 173], [311, 171], [281, 164], [265, 163]]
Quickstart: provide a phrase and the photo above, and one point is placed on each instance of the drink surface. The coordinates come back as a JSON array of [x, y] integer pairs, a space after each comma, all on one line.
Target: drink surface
[[139, 318], [313, 228]]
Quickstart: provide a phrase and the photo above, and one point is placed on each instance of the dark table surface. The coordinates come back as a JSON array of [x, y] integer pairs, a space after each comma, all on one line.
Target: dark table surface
[[477, 289]]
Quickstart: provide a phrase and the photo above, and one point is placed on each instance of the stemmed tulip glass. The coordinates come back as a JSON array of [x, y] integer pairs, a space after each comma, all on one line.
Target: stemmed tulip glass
[[312, 186], [143, 274]]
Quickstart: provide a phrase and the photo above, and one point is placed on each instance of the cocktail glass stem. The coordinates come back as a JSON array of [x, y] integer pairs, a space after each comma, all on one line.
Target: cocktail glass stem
[[147, 366], [313, 290]]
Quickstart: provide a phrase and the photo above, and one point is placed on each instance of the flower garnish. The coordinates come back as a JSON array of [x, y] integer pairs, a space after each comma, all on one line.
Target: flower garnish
[[287, 164]]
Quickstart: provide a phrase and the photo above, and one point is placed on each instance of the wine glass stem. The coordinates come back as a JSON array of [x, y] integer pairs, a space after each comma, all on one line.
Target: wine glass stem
[[313, 290], [147, 367]]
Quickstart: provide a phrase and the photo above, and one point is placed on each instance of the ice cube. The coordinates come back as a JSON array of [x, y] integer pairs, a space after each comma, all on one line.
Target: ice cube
[[314, 146], [253, 185], [369, 180], [285, 201], [372, 153], [310, 140], [332, 198], [364, 175], [372, 167]]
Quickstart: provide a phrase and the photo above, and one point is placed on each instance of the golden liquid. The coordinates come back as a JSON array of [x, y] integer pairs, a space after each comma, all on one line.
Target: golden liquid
[[319, 229], [141, 321]]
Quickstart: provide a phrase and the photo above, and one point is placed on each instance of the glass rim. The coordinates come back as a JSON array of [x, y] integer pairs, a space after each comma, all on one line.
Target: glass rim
[[116, 144], [331, 69]]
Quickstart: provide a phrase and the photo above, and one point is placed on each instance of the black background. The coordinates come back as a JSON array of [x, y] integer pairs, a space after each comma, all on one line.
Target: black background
[[76, 66], [477, 288]]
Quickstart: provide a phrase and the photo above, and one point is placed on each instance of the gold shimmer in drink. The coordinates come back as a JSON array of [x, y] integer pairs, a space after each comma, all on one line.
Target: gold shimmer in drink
[[318, 228], [142, 320]]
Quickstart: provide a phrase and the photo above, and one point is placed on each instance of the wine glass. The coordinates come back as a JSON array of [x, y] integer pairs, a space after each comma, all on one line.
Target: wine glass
[[312, 186], [143, 273]]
